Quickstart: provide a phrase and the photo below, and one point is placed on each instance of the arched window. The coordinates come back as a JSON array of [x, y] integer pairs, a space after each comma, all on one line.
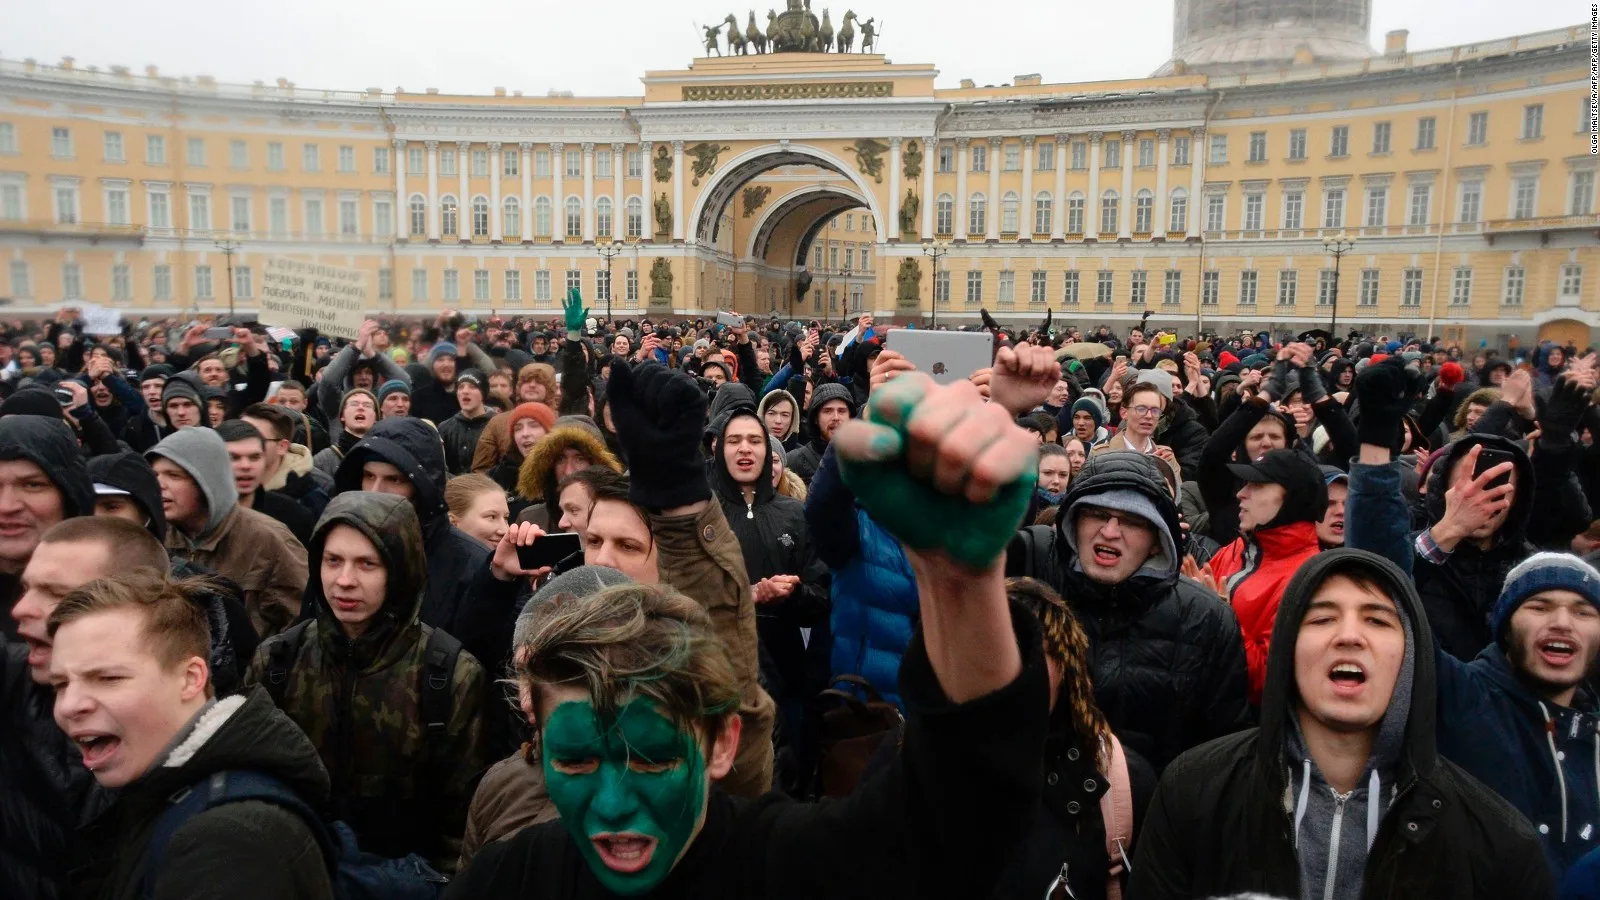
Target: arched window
[[1179, 219], [541, 217], [1075, 213], [1144, 207], [635, 217], [1043, 212], [419, 215], [480, 216], [1108, 213], [945, 213], [977, 214], [447, 213], [602, 217], [574, 217], [511, 217], [1010, 213]]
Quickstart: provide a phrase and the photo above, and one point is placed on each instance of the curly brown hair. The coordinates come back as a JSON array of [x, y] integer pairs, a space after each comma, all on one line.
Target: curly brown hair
[[1065, 642]]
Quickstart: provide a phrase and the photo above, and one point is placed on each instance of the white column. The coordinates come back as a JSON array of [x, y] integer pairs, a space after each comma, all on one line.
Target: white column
[[558, 203], [1058, 212], [892, 227], [1125, 202], [588, 192], [433, 190], [647, 193], [992, 217], [526, 232], [619, 163], [1025, 210], [962, 207], [463, 206], [402, 219], [1091, 206], [1197, 179], [1159, 224], [496, 221], [930, 156], [677, 190]]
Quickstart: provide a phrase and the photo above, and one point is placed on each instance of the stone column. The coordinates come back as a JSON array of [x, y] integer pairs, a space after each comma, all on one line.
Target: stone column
[[619, 213], [588, 192], [930, 156], [558, 203], [963, 209], [1159, 223], [677, 190], [463, 206], [433, 190], [1125, 202], [1025, 208], [1058, 211], [496, 221], [1197, 179], [992, 218], [891, 228], [1091, 206], [525, 233], [647, 190], [402, 219]]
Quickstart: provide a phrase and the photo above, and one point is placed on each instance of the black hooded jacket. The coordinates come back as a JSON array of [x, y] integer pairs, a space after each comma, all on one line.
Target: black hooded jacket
[[1169, 663], [1219, 825], [50, 445]]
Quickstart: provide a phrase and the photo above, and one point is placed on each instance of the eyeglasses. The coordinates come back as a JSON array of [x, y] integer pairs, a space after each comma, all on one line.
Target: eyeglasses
[[1145, 410]]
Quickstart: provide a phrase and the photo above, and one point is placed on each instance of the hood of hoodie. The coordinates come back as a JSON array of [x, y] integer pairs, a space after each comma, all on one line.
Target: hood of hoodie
[[50, 445], [1119, 471], [729, 396], [130, 472], [536, 480], [721, 481], [773, 399], [390, 523], [1522, 503], [202, 453], [412, 446]]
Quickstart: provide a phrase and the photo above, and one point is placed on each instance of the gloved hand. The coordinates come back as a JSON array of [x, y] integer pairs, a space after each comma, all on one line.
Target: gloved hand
[[574, 312], [1276, 385], [1562, 412], [658, 415], [1312, 389], [989, 322], [1384, 393], [939, 468]]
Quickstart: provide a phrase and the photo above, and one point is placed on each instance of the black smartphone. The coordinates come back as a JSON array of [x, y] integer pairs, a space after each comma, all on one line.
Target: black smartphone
[[548, 550], [219, 333], [1488, 458]]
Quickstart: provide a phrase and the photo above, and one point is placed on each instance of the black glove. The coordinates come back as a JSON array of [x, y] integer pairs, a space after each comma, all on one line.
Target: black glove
[[1384, 393], [1562, 412], [797, 362], [988, 321], [1312, 390], [1276, 383], [659, 416]]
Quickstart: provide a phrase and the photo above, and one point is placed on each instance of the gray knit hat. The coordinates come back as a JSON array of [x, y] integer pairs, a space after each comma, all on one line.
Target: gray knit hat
[[830, 391]]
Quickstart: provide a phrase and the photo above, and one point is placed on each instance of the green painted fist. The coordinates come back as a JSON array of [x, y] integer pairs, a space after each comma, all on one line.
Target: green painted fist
[[940, 468], [575, 313]]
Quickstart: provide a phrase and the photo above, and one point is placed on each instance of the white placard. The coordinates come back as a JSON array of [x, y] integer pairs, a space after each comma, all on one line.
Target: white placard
[[299, 294]]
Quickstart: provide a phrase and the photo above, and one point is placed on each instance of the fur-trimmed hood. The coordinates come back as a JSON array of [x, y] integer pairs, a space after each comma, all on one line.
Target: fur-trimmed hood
[[536, 479]]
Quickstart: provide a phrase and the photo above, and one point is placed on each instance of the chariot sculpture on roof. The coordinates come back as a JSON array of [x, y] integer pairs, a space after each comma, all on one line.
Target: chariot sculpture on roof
[[795, 30]]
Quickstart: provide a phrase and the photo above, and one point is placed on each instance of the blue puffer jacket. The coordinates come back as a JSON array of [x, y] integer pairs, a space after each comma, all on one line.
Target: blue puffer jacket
[[874, 592]]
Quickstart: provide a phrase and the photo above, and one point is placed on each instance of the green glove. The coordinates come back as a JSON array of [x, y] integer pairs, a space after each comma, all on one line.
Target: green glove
[[576, 314], [913, 510]]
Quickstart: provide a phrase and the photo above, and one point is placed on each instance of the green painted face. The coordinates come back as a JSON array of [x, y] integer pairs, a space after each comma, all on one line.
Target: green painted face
[[630, 790]]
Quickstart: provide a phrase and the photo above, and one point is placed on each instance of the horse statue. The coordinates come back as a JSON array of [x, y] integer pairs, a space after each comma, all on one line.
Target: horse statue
[[753, 35], [736, 45], [713, 39], [869, 35], [808, 33], [847, 32], [825, 35]]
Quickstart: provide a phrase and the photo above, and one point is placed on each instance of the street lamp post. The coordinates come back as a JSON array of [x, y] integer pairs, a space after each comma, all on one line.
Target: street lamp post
[[1338, 246], [936, 250], [610, 252], [228, 248]]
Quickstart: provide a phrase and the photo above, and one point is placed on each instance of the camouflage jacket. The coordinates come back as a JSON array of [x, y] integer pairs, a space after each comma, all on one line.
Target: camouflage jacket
[[360, 700]]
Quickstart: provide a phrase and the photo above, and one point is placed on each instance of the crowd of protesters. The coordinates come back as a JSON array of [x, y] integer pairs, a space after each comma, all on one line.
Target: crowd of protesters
[[585, 608]]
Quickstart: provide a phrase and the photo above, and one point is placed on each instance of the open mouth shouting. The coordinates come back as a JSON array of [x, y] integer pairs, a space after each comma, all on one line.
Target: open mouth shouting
[[1557, 653], [97, 748], [624, 852], [1348, 678], [1106, 555]]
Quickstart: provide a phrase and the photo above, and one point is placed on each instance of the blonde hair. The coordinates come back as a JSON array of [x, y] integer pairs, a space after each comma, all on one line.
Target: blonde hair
[[175, 625], [1066, 643], [462, 490]]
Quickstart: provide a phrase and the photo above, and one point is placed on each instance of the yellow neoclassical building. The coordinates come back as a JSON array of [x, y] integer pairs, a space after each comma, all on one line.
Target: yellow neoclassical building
[[1264, 178]]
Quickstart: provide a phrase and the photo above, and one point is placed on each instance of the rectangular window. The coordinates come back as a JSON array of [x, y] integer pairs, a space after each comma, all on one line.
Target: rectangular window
[[1258, 146], [974, 288], [114, 147], [160, 210], [1179, 218], [199, 212], [121, 283], [1325, 283], [1294, 205], [1516, 282], [386, 284], [202, 282], [1380, 137], [419, 286], [1571, 281], [1013, 157], [1369, 288], [1526, 193], [1461, 287], [1147, 152], [1044, 156], [11, 202], [1411, 288], [349, 218], [275, 156], [313, 216], [1211, 288], [1108, 214], [513, 285], [195, 151], [480, 164], [947, 158], [1043, 212], [1069, 289], [574, 280], [1247, 287], [1426, 128], [1075, 215], [1533, 121], [452, 285], [278, 216], [1333, 208], [8, 138], [1104, 288], [1288, 287], [541, 286], [1297, 143], [574, 166], [162, 288], [447, 162], [1080, 155], [941, 288], [61, 143], [510, 162], [1137, 286], [1377, 207], [1172, 290], [602, 164], [849, 223], [311, 158], [1339, 141], [416, 161], [635, 164], [71, 281], [238, 154], [866, 258], [1421, 199], [1111, 155], [1219, 150], [117, 205], [1037, 288], [347, 159], [541, 163], [243, 284], [380, 160], [1008, 289], [480, 285], [155, 149], [1216, 212], [1580, 201], [1471, 202], [849, 258], [1477, 129], [602, 285], [630, 288], [980, 157], [1180, 151], [382, 218], [1253, 204]]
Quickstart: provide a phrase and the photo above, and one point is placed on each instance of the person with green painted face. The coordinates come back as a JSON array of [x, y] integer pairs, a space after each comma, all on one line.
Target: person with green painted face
[[635, 701]]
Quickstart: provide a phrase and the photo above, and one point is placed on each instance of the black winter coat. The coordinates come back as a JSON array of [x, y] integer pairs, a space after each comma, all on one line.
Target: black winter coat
[[434, 401], [460, 436], [1186, 436], [1169, 664]]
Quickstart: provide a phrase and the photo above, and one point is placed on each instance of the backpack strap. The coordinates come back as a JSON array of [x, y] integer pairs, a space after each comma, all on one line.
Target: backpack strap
[[219, 789], [1116, 812], [435, 699], [281, 654]]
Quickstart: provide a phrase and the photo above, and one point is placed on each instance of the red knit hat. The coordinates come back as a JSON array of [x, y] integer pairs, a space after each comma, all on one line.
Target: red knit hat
[[1226, 359], [538, 412], [1451, 374]]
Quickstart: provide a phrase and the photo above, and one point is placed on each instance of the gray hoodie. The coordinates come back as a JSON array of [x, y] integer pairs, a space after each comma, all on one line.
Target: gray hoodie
[[201, 453]]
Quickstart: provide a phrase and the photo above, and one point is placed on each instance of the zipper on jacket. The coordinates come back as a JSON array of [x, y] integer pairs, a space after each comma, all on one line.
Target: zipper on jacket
[[345, 713], [1060, 889], [1332, 877], [750, 509]]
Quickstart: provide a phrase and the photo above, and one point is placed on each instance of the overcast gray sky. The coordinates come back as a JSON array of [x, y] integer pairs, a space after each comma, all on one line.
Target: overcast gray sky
[[602, 48]]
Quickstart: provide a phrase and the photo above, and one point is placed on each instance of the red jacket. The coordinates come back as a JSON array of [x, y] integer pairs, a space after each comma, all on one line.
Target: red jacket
[[1254, 570]]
